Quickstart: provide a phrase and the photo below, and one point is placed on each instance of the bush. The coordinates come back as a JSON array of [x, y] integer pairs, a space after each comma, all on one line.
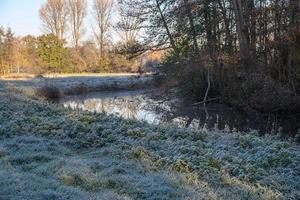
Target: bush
[[265, 95], [48, 92]]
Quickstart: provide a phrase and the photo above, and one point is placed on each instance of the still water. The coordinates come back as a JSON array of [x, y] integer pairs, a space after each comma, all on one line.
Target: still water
[[152, 107]]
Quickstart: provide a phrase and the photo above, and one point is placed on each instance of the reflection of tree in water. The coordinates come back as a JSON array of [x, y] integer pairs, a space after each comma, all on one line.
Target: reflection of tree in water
[[122, 106], [90, 104], [131, 109], [140, 107]]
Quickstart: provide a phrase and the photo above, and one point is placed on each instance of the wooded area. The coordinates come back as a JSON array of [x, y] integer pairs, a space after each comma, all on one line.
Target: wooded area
[[246, 51]]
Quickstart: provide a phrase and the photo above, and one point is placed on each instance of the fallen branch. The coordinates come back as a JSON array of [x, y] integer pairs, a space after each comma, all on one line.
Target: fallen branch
[[205, 101]]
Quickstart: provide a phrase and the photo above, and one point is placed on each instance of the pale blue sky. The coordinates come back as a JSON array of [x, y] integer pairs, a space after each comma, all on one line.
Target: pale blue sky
[[21, 15]]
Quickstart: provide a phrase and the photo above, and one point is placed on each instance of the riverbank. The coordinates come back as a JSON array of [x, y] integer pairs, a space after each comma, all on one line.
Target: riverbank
[[68, 84], [50, 152]]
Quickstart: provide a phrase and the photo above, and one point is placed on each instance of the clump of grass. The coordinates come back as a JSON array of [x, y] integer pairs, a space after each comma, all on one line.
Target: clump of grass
[[150, 160], [2, 132], [136, 132], [87, 119], [284, 159], [245, 142], [2, 153], [49, 92], [182, 166], [199, 136], [138, 153], [68, 180], [214, 163], [71, 179]]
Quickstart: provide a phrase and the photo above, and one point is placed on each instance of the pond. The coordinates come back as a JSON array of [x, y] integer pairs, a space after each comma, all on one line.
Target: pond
[[151, 106]]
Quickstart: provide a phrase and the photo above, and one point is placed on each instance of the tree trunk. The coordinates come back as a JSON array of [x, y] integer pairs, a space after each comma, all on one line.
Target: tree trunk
[[192, 26], [293, 9], [228, 41], [208, 87], [242, 32], [252, 19]]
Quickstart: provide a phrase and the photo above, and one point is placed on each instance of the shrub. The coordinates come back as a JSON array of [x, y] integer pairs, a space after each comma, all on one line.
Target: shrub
[[260, 92], [48, 92]]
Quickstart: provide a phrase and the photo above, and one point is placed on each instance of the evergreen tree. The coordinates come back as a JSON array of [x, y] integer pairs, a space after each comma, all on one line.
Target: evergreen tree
[[51, 51]]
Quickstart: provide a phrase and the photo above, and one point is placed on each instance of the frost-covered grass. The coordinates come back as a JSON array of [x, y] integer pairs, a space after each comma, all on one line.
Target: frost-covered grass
[[49, 152], [75, 83]]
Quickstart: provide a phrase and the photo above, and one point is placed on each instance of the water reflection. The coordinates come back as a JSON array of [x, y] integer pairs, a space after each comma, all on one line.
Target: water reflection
[[129, 105], [140, 106]]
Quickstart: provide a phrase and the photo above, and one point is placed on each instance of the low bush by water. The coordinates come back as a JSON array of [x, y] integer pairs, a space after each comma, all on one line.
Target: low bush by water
[[49, 92]]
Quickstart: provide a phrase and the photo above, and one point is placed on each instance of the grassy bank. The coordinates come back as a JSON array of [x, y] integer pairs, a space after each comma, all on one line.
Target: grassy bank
[[52, 85], [48, 152]]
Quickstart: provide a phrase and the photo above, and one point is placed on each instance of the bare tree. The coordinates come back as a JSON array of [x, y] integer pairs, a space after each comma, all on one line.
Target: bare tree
[[102, 15], [155, 19], [242, 30], [18, 54], [187, 4], [127, 26], [54, 14], [78, 11]]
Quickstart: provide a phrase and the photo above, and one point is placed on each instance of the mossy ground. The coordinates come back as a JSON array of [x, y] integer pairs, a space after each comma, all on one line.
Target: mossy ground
[[49, 152]]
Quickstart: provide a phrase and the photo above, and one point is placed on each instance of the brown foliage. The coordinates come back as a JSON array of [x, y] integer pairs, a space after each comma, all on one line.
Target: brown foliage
[[49, 92]]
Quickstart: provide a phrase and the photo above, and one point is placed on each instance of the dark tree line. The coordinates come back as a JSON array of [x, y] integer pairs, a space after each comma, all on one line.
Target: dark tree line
[[240, 48]]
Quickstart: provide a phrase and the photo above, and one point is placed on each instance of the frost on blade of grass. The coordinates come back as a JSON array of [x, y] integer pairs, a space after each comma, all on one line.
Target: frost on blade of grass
[[51, 152]]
